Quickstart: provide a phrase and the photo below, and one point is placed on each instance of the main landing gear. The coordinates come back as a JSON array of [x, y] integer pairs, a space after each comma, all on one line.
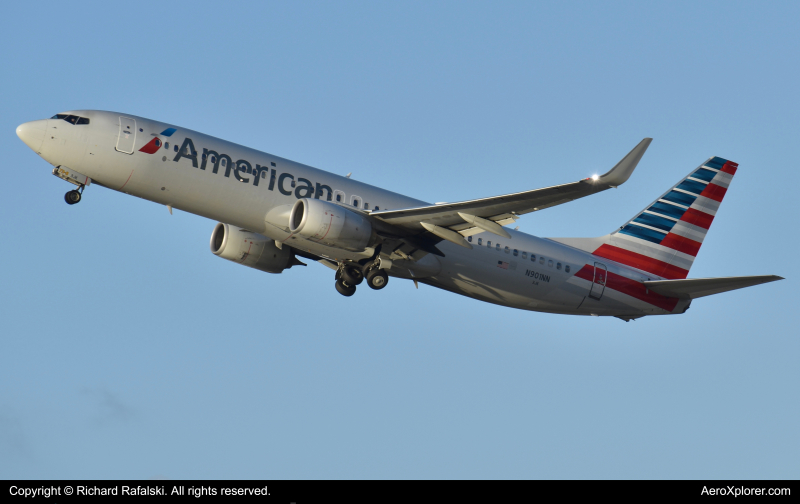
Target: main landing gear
[[345, 289], [351, 274], [74, 196], [377, 279]]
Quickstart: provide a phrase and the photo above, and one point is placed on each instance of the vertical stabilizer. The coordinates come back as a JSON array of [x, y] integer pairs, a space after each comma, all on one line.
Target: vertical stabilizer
[[664, 238]]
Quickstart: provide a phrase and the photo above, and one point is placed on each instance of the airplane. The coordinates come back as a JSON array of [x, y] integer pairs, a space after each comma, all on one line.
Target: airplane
[[272, 211]]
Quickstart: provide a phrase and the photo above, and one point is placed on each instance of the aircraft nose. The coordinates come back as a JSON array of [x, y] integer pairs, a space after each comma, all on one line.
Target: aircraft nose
[[32, 133]]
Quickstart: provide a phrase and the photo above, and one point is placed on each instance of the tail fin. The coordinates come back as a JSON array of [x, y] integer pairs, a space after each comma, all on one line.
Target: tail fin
[[664, 238]]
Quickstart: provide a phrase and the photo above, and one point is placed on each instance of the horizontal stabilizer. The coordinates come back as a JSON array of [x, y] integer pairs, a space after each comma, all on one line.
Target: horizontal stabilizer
[[694, 288]]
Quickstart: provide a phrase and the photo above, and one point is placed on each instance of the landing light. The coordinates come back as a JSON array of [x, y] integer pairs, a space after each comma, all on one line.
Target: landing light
[[595, 177]]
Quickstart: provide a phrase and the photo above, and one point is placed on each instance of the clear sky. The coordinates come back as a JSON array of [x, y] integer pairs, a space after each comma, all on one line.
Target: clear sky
[[128, 350]]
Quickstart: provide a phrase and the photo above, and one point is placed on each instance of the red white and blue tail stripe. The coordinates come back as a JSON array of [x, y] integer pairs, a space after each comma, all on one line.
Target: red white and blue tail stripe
[[664, 238]]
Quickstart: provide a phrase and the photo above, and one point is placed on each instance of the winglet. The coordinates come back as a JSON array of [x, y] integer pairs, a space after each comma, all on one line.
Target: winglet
[[622, 170]]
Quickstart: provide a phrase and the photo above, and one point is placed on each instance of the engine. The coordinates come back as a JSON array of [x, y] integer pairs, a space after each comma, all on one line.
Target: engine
[[330, 224], [250, 249]]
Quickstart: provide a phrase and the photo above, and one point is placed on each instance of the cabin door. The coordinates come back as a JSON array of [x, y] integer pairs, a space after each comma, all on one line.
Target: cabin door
[[127, 135], [599, 281]]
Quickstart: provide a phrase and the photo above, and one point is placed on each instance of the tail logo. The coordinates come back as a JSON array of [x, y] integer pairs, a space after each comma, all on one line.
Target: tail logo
[[678, 221]]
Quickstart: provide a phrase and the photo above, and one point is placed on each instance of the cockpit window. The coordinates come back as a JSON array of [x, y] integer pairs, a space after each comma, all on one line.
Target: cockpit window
[[71, 119]]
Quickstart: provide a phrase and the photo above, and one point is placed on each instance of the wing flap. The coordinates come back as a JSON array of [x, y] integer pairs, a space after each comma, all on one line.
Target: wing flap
[[694, 288]]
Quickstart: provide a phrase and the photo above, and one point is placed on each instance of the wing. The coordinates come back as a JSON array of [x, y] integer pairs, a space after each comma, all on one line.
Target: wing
[[453, 221]]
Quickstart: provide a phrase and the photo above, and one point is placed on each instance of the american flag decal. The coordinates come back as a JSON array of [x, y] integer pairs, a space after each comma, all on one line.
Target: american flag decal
[[502, 264]]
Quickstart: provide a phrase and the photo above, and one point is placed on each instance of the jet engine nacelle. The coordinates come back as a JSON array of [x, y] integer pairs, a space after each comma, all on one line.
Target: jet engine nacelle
[[329, 224], [250, 249]]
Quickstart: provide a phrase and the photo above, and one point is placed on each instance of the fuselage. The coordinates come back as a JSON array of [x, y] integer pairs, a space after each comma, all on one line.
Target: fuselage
[[237, 185]]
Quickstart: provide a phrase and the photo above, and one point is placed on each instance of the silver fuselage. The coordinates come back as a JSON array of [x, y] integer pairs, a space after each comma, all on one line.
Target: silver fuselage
[[185, 180]]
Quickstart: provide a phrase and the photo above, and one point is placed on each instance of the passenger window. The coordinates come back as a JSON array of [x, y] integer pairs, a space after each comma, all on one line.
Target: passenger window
[[469, 238], [140, 129], [83, 120], [355, 200], [489, 243], [166, 146], [550, 263], [175, 147], [366, 206], [524, 255], [339, 197], [480, 241], [355, 203], [533, 258], [497, 247], [264, 174], [541, 260], [508, 250], [294, 184], [566, 268], [558, 266], [377, 208], [516, 252], [223, 160]]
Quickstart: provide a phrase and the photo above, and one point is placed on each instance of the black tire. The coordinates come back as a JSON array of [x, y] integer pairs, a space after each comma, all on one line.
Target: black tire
[[345, 289], [352, 275], [72, 197], [377, 279]]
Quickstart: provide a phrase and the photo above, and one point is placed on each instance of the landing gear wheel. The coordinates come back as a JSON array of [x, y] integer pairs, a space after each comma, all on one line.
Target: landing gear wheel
[[344, 288], [352, 275], [377, 279], [72, 197]]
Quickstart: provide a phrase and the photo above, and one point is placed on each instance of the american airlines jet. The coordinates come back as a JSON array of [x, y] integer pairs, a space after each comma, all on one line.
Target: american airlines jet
[[272, 211]]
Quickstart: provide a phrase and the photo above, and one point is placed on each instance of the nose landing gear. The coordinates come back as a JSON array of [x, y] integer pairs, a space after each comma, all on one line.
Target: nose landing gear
[[74, 178], [74, 196]]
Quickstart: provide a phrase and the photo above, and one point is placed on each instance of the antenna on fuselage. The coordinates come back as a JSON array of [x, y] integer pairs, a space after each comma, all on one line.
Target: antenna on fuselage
[[348, 175]]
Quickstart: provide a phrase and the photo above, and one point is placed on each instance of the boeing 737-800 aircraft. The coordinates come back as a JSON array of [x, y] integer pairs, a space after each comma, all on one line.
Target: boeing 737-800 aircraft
[[272, 211]]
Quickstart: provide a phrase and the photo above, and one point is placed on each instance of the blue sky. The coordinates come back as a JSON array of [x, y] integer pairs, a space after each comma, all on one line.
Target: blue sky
[[130, 351]]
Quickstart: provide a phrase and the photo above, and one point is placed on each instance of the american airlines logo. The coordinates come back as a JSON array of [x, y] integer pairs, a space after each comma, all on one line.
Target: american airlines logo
[[245, 172], [153, 145]]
